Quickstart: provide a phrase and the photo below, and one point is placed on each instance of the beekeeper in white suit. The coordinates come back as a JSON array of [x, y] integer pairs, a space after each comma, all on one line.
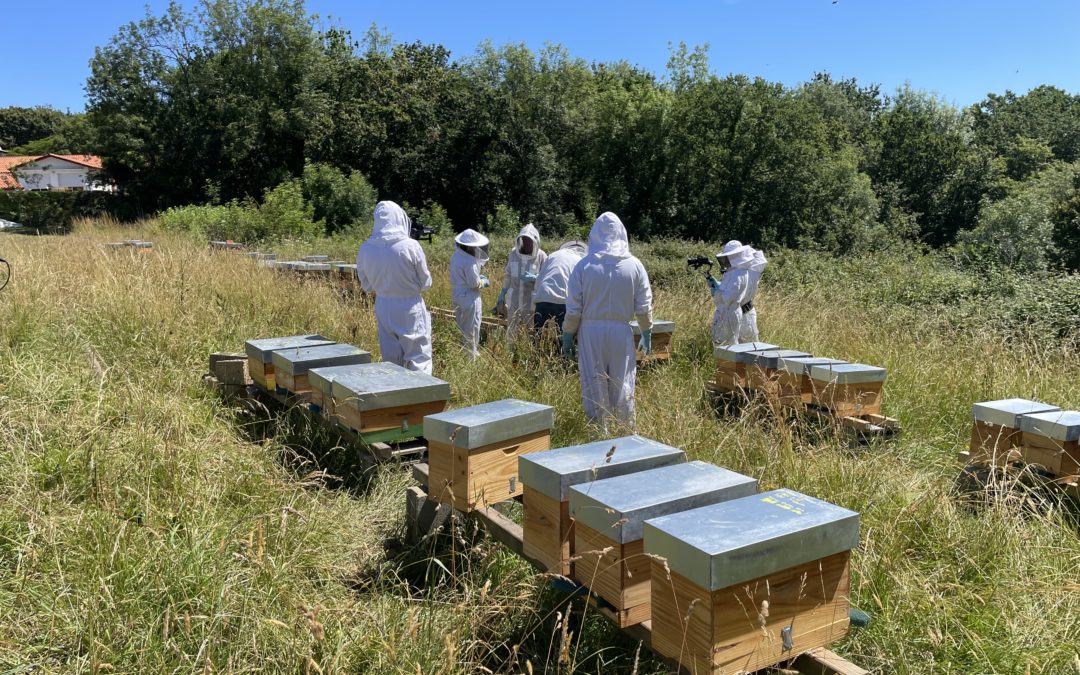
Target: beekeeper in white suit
[[522, 268], [394, 268], [607, 289], [470, 254], [748, 330], [730, 293]]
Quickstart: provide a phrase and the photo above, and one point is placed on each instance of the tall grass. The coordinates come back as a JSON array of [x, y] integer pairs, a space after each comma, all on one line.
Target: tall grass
[[145, 528]]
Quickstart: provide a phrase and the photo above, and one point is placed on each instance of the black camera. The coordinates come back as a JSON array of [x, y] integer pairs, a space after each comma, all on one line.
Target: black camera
[[699, 262], [420, 232]]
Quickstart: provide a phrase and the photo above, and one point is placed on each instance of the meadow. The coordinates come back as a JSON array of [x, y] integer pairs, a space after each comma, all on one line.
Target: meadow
[[147, 527]]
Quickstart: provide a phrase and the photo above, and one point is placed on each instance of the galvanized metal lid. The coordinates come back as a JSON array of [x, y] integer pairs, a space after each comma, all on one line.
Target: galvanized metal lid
[[261, 349], [618, 507], [770, 358], [553, 472], [847, 373], [657, 327], [345, 268], [725, 544], [375, 386], [315, 258], [315, 267], [488, 423], [800, 365], [300, 361], [1061, 425], [734, 352], [322, 378], [1008, 411]]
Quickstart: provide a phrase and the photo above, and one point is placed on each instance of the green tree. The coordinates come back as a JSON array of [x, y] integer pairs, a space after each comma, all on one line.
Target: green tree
[[19, 125]]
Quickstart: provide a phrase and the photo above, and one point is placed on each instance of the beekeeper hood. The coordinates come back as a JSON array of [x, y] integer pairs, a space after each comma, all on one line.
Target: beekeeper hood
[[575, 245], [391, 224], [531, 233], [738, 255], [608, 237], [475, 240]]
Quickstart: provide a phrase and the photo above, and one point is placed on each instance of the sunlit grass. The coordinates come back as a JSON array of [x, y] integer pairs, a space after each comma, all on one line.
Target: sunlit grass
[[143, 530]]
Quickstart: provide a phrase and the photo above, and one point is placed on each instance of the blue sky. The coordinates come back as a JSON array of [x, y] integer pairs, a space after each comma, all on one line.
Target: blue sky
[[958, 49]]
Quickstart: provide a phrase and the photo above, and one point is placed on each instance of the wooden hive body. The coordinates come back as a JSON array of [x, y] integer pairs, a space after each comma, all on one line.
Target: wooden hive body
[[1051, 440], [548, 531], [609, 521], [745, 584], [731, 362], [383, 401], [793, 383], [291, 366], [662, 333], [473, 452], [321, 396], [995, 429], [848, 388], [260, 355], [763, 372]]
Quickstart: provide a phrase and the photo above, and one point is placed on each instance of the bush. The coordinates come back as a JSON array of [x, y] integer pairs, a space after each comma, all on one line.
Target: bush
[[340, 201], [283, 214], [505, 220], [56, 210], [434, 216]]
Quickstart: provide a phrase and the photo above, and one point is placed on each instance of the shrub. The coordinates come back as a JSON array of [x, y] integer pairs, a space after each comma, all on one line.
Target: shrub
[[341, 201], [434, 216], [505, 220]]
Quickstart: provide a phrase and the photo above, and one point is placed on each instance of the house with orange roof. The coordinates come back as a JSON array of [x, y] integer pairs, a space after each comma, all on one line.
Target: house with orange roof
[[52, 172]]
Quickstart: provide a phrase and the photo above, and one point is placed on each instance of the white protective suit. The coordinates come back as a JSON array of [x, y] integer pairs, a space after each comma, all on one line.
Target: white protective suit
[[607, 289], [394, 268], [748, 330], [731, 294], [519, 298], [554, 274], [465, 285]]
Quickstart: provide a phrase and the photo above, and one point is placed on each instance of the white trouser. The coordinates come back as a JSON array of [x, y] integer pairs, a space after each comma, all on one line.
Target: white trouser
[[748, 331], [607, 363], [404, 332], [725, 326], [519, 309], [467, 310]]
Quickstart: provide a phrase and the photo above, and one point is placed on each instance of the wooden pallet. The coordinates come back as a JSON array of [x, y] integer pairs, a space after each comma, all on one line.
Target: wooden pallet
[[982, 474], [423, 516], [862, 428]]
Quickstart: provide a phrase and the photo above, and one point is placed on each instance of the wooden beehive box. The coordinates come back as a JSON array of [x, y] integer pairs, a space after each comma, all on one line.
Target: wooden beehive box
[[321, 396], [995, 429], [473, 452], [848, 388], [548, 535], [763, 371], [793, 378], [315, 258], [260, 355], [291, 366], [753, 581], [662, 333], [345, 277], [609, 515], [1052, 440], [385, 402], [731, 362]]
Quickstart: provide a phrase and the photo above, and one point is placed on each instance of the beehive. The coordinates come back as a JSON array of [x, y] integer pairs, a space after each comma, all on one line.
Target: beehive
[[609, 515], [473, 452], [731, 362], [753, 581], [1052, 440], [995, 429], [321, 396], [547, 476], [291, 366], [383, 401], [316, 258], [662, 332], [793, 377], [848, 388], [260, 355], [345, 277], [763, 371]]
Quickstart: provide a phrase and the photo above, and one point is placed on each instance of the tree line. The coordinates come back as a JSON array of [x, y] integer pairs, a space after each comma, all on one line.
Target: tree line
[[231, 99]]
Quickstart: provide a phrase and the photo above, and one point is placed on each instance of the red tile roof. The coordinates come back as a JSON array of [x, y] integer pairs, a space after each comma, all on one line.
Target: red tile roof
[[9, 162]]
